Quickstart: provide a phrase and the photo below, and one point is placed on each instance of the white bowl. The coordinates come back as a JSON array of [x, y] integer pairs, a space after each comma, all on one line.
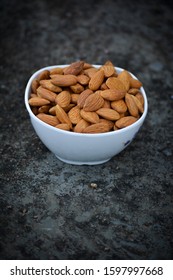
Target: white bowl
[[79, 148]]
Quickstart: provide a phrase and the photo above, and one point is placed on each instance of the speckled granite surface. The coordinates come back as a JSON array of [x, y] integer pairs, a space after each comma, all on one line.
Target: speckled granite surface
[[48, 209]]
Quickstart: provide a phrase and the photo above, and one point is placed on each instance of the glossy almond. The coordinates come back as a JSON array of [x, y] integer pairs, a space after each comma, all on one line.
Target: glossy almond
[[119, 105], [131, 105], [74, 68], [63, 98], [96, 80], [97, 128], [125, 121], [51, 120], [108, 114], [81, 125], [74, 115], [64, 80], [38, 101], [91, 117], [48, 85], [93, 102], [112, 94], [83, 96], [62, 115], [115, 83], [45, 93]]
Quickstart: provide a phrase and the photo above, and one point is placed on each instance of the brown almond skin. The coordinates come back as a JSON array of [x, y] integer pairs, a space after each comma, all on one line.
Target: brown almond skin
[[115, 83], [125, 121], [48, 85], [91, 117], [34, 85], [38, 101], [112, 94], [74, 115], [108, 114], [83, 96], [62, 115], [63, 98], [131, 105], [63, 126], [51, 120], [44, 75], [97, 128], [96, 80], [119, 105], [93, 102], [134, 83], [81, 125], [64, 80], [74, 68], [45, 93]]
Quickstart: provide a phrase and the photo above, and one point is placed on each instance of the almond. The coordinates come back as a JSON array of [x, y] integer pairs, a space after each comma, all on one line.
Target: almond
[[77, 88], [57, 70], [83, 79], [138, 103], [45, 93], [83, 96], [108, 122], [119, 105], [44, 75], [97, 128], [133, 91], [52, 111], [38, 101], [63, 126], [125, 78], [34, 85], [74, 97], [48, 85], [112, 94], [109, 70], [74, 68], [91, 117], [107, 104], [62, 115], [134, 83], [74, 115], [63, 98], [44, 109], [64, 80], [93, 102], [96, 80], [140, 97], [131, 105], [81, 125], [90, 71], [125, 121], [115, 83], [51, 120], [108, 114]]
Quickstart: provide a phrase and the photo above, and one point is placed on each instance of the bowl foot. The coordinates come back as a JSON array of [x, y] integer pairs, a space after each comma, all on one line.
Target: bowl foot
[[75, 162]]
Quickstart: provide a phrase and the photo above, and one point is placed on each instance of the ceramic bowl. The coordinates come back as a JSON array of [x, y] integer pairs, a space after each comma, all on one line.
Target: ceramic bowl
[[79, 148]]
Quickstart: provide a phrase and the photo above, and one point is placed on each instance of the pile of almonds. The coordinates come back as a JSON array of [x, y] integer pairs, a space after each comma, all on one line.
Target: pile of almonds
[[85, 99]]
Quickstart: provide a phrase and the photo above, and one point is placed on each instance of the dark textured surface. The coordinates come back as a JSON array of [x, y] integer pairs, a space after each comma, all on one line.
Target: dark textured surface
[[48, 209]]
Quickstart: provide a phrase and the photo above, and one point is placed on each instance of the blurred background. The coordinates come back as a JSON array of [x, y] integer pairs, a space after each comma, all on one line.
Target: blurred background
[[48, 209]]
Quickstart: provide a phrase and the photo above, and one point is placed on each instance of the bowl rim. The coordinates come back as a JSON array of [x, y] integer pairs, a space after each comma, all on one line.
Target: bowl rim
[[76, 134]]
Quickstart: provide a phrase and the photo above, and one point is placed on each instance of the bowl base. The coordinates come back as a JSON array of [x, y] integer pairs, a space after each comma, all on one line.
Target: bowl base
[[75, 162]]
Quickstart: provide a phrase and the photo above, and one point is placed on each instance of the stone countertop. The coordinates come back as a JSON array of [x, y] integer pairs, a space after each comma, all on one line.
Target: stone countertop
[[48, 209]]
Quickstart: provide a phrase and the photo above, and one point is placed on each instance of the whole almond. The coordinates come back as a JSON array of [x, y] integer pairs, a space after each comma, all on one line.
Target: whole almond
[[51, 120], [64, 80], [45, 93], [45, 74], [74, 97], [74, 115], [62, 115], [107, 104], [108, 122], [96, 80], [112, 94], [48, 85], [119, 105], [90, 71], [83, 79], [131, 105], [133, 91], [125, 121], [91, 117], [138, 103], [56, 70], [134, 83], [140, 97], [81, 125], [93, 102], [109, 70], [44, 109], [38, 101], [125, 78], [74, 68], [63, 126], [83, 96], [97, 128], [34, 85], [108, 114], [63, 98], [115, 83]]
